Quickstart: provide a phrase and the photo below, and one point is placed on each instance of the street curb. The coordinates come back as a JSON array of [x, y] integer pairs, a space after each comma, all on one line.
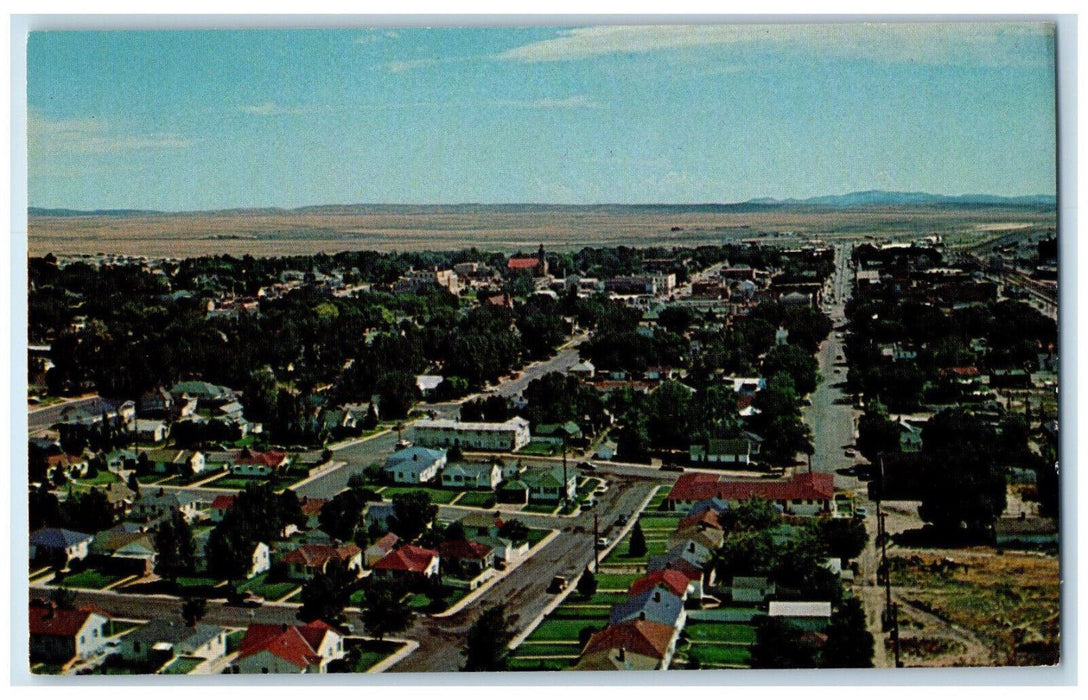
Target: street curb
[[572, 586], [471, 597], [389, 661]]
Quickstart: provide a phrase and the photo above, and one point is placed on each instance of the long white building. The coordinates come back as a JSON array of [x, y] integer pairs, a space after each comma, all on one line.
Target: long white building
[[499, 437]]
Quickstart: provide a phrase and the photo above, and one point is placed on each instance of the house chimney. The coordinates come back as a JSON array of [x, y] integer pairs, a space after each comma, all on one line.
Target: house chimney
[[622, 656], [657, 596], [642, 616]]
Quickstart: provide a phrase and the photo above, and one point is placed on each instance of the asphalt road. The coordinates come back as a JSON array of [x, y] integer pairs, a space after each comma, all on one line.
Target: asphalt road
[[831, 415], [523, 590], [39, 419]]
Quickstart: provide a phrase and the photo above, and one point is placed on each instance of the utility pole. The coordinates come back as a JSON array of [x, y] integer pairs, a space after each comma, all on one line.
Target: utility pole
[[596, 552], [566, 499]]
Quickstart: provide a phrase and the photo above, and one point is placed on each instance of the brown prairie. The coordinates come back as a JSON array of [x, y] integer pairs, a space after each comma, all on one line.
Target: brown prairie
[[505, 228]]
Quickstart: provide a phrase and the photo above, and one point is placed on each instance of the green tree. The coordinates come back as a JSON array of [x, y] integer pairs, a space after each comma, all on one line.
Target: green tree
[[175, 547], [63, 597], [587, 584], [637, 546], [849, 642], [514, 530], [795, 362], [325, 596], [193, 609], [845, 537], [782, 645], [486, 643], [750, 516], [384, 612], [413, 513]]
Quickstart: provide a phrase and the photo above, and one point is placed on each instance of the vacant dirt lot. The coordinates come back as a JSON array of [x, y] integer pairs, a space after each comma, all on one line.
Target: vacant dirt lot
[[507, 228], [973, 606]]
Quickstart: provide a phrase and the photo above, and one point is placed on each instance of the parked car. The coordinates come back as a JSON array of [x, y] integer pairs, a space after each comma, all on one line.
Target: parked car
[[586, 466], [603, 488], [622, 520], [671, 468], [558, 584], [603, 542]]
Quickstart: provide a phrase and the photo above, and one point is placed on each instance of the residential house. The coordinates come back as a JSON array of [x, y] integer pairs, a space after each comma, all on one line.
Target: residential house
[[119, 496], [910, 436], [737, 451], [378, 514], [174, 461], [656, 604], [709, 538], [508, 436], [428, 384], [136, 549], [464, 559], [207, 394], [546, 484], [693, 572], [311, 508], [289, 649], [669, 580], [415, 465], [638, 645], [583, 370], [259, 558], [382, 547], [72, 466], [254, 463], [121, 460], [408, 564], [54, 544], [707, 519], [151, 430], [157, 403], [162, 504], [803, 494], [58, 635], [606, 450], [1018, 532], [220, 506], [472, 476], [751, 589], [159, 641], [310, 559], [808, 615], [558, 433]]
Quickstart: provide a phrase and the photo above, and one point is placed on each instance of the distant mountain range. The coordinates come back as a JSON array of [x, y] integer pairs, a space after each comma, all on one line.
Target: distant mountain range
[[869, 198]]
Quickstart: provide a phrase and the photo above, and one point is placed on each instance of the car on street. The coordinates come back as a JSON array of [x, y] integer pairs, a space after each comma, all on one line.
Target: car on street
[[622, 520], [861, 512], [603, 542], [851, 452], [558, 584], [671, 468], [603, 488], [586, 466]]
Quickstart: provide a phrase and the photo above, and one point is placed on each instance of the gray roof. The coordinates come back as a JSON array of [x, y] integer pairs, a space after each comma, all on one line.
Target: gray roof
[[665, 609], [175, 632], [415, 458], [57, 538]]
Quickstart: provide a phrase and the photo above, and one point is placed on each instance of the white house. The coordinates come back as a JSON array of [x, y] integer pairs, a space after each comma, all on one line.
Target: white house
[[52, 541], [58, 635], [162, 640], [415, 465], [508, 436], [751, 589], [472, 476], [148, 430]]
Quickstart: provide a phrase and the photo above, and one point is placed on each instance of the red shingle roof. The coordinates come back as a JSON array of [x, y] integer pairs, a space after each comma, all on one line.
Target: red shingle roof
[[521, 263], [223, 502], [288, 643], [312, 506], [387, 542], [45, 620], [636, 636], [463, 549], [673, 580], [270, 458], [707, 518], [697, 487], [318, 555], [408, 558]]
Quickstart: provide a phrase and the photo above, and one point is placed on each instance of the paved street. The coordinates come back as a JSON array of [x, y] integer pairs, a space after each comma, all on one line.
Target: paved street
[[39, 419]]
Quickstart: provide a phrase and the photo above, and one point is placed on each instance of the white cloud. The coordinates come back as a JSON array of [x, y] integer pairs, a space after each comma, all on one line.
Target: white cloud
[[988, 43], [268, 109], [91, 135], [571, 102]]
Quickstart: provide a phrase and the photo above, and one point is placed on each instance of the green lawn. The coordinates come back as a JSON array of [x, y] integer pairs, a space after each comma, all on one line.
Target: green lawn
[[548, 649], [616, 581], [477, 499], [720, 655], [517, 664], [240, 482], [542, 449], [658, 499], [599, 599], [372, 653], [588, 486], [699, 631], [90, 579], [442, 496], [234, 640], [658, 522], [561, 630], [536, 535], [358, 597], [146, 479], [119, 626], [269, 590], [102, 478], [183, 665], [545, 508], [590, 616]]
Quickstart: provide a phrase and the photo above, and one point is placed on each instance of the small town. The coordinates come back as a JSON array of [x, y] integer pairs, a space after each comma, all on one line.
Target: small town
[[741, 456]]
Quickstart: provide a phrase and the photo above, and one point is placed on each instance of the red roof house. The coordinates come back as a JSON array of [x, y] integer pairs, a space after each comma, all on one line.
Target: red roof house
[[803, 494], [409, 562], [674, 581], [289, 649], [59, 635], [637, 644], [309, 559]]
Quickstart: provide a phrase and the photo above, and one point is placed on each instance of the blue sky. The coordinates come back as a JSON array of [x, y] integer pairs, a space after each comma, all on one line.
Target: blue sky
[[177, 120]]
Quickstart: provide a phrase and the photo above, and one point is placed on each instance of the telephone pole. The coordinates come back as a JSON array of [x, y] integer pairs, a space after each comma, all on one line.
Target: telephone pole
[[596, 550]]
